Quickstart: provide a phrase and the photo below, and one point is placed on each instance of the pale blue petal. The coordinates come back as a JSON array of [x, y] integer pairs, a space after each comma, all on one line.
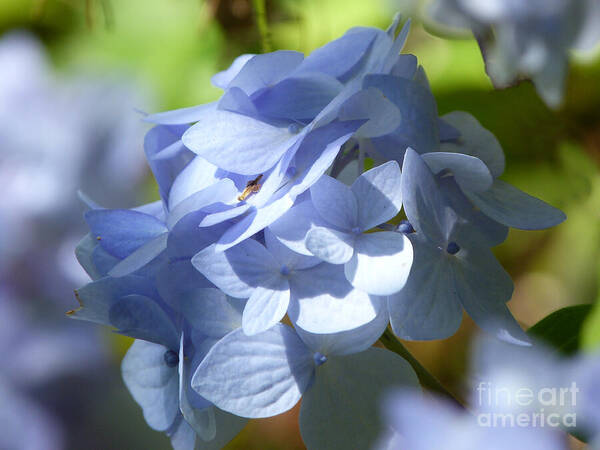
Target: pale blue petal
[[266, 306], [84, 254], [291, 228], [423, 202], [182, 116], [96, 298], [223, 191], [152, 384], [239, 270], [470, 172], [514, 208], [474, 224], [418, 110], [182, 436], [406, 67], [475, 141], [339, 58], [238, 143], [121, 231], [381, 262], [298, 97], [287, 257], [186, 238], [335, 247], [176, 278], [235, 100], [426, 308], [318, 151], [228, 212], [141, 257], [483, 287], [254, 222], [141, 317], [255, 376], [211, 312], [447, 131], [223, 78], [370, 104], [265, 70], [322, 301], [347, 342], [201, 420], [342, 409], [166, 155], [379, 195], [197, 175], [335, 202]]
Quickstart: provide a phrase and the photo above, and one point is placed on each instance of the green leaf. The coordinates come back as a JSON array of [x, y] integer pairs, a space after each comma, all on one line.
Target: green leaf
[[561, 329], [590, 333]]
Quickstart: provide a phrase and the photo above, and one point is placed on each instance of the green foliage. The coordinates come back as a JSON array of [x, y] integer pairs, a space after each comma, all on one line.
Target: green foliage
[[561, 329]]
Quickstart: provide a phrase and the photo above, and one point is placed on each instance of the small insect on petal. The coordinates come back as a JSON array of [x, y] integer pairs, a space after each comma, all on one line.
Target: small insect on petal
[[251, 187]]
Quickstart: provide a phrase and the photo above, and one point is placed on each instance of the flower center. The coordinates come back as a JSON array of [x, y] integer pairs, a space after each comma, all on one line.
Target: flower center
[[452, 248], [319, 358], [171, 358], [293, 128], [405, 227], [285, 270]]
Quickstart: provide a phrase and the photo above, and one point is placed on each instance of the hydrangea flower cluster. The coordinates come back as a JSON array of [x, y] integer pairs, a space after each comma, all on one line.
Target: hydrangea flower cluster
[[529, 39], [260, 277], [548, 392]]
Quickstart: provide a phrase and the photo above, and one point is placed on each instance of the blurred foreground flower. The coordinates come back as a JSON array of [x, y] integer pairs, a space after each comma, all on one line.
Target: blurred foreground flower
[[521, 39], [520, 398]]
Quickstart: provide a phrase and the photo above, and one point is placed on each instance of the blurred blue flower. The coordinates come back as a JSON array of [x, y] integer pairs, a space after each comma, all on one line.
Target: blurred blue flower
[[531, 39]]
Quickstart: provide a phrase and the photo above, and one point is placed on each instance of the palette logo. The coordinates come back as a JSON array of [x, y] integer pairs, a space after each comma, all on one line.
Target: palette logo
[[522, 406]]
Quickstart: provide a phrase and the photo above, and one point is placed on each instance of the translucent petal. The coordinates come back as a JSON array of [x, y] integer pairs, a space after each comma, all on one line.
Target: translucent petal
[[475, 141], [298, 97], [324, 302], [470, 172], [255, 376], [426, 307], [340, 57], [223, 78], [292, 227], [379, 195], [335, 202], [266, 306], [514, 208], [342, 409], [347, 342], [381, 262], [239, 270], [335, 247], [264, 70], [238, 143], [152, 384], [183, 115], [122, 231]]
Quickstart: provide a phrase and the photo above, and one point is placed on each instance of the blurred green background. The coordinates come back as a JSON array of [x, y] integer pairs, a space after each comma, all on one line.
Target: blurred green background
[[172, 47]]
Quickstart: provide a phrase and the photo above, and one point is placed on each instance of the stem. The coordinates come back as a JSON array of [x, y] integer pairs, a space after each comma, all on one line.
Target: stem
[[260, 12], [426, 379]]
